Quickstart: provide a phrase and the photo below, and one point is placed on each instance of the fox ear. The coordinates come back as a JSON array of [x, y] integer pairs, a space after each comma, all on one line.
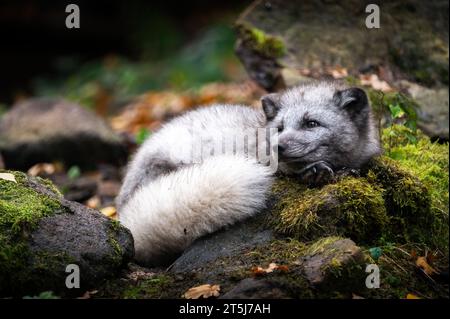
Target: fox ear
[[352, 99], [271, 105]]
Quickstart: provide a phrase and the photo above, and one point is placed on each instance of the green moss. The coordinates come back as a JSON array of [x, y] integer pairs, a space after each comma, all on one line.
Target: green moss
[[116, 258], [428, 163], [319, 246], [153, 288], [258, 40], [21, 207], [351, 207], [48, 183]]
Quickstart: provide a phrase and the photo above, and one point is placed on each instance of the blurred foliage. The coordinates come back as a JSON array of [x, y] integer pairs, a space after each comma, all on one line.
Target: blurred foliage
[[209, 57], [74, 172], [43, 295], [142, 135]]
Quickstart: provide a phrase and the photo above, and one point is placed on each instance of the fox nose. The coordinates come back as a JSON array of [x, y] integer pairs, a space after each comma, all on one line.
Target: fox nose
[[281, 148]]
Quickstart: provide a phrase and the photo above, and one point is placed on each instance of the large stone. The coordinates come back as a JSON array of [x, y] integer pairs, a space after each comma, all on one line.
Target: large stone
[[334, 263], [225, 243], [433, 115], [41, 233], [46, 130], [278, 38]]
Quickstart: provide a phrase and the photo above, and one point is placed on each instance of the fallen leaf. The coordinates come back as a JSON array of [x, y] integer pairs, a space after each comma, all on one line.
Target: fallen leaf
[[338, 72], [109, 211], [355, 296], [8, 177], [88, 294], [257, 270], [42, 168], [422, 263], [204, 291], [412, 296], [93, 202], [431, 258], [373, 81]]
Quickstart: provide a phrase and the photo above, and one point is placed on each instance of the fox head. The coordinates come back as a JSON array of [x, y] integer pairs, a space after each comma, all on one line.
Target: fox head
[[322, 122]]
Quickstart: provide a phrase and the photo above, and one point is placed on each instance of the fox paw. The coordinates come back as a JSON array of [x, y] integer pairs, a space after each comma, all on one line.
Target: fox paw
[[316, 174]]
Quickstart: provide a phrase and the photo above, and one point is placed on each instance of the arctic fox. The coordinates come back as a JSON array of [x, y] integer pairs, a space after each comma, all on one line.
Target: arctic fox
[[183, 184]]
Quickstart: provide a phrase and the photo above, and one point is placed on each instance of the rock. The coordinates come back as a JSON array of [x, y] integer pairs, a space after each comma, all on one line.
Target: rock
[[41, 233], [45, 130], [251, 288], [227, 242], [334, 263], [319, 36], [433, 118]]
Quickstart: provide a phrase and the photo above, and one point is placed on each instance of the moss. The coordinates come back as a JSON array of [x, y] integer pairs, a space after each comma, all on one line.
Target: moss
[[48, 184], [153, 288], [351, 207], [428, 163], [116, 258], [263, 43], [21, 208], [319, 246]]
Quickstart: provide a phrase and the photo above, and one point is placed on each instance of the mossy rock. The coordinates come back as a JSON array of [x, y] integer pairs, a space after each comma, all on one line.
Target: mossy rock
[[407, 201], [332, 258], [387, 202], [318, 36], [41, 233], [351, 207]]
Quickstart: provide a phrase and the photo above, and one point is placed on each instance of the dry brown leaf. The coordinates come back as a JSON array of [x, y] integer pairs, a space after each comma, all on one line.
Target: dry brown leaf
[[375, 82], [8, 177], [422, 263], [42, 168], [431, 258], [338, 72], [88, 294], [93, 202], [257, 270], [355, 296], [204, 291], [109, 211], [412, 296]]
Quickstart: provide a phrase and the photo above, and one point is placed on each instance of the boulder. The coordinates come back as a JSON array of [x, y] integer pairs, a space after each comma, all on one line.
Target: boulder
[[433, 117], [41, 233], [325, 256], [45, 130], [281, 41]]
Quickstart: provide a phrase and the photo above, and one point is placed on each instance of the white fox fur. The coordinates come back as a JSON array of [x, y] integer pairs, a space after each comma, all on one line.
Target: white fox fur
[[167, 214], [172, 195]]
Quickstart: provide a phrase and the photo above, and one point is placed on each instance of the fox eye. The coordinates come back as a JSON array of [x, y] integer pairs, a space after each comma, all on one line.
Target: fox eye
[[312, 124]]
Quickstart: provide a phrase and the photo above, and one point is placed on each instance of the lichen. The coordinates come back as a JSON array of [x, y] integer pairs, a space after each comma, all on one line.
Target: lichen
[[263, 43]]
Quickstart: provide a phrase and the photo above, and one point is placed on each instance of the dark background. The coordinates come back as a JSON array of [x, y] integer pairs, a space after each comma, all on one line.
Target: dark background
[[33, 33]]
